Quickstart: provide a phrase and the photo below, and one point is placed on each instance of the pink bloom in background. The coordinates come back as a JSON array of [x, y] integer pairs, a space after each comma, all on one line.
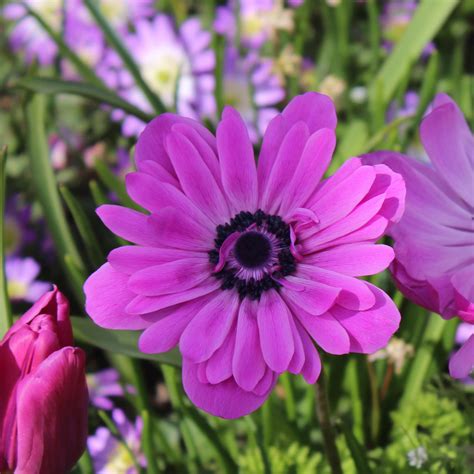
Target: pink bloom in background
[[461, 364], [244, 266], [22, 284], [434, 241], [43, 394]]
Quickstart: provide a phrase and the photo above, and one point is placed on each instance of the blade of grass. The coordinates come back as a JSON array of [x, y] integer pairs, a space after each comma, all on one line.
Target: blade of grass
[[358, 452], [46, 188], [6, 319], [428, 19], [116, 43], [147, 443], [91, 244], [46, 85]]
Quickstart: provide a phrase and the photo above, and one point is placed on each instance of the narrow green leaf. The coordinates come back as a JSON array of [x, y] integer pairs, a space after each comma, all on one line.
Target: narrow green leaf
[[5, 309], [88, 237], [423, 358], [147, 442], [114, 41], [358, 452], [66, 52], [115, 184], [123, 342], [97, 194], [376, 140], [46, 85], [45, 185], [425, 24], [76, 278]]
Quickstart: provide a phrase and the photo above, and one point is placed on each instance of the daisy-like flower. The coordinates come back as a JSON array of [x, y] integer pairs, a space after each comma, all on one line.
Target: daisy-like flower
[[28, 35], [21, 276], [245, 266], [176, 64], [109, 456], [434, 241], [251, 86]]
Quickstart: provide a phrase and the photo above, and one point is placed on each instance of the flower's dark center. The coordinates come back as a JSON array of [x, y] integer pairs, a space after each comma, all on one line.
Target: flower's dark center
[[260, 256], [252, 249]]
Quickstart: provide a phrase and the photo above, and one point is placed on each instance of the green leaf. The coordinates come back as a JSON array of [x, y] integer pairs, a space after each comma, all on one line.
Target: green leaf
[[81, 67], [358, 452], [5, 309], [46, 188], [425, 24], [123, 342], [88, 237], [100, 94], [114, 40]]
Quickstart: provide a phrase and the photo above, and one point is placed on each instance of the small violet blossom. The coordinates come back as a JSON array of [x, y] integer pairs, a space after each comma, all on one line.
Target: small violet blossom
[[21, 276], [109, 455], [103, 385], [176, 64], [243, 265], [461, 364], [434, 240]]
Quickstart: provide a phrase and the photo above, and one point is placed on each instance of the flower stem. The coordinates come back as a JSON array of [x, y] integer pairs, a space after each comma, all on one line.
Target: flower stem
[[329, 438]]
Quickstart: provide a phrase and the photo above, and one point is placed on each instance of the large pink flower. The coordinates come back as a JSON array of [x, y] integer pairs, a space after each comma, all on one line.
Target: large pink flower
[[434, 241], [245, 266]]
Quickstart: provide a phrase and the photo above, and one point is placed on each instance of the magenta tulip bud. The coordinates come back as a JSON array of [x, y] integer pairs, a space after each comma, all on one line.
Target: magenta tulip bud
[[43, 391]]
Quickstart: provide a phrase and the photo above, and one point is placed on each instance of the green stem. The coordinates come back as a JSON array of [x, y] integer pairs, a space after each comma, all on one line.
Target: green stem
[[329, 437], [375, 412], [289, 396], [423, 358], [6, 319]]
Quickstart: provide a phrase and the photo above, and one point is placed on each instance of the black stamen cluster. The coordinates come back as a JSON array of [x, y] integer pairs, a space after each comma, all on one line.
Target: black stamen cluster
[[239, 223]]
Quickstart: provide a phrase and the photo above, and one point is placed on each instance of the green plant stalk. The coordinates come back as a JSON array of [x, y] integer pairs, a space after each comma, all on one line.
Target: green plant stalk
[[289, 396], [380, 135], [375, 403], [76, 278], [172, 382], [81, 67], [6, 319], [116, 43], [85, 463], [147, 443], [329, 437], [218, 45], [358, 452], [46, 85], [46, 187], [374, 33], [97, 194], [88, 237], [419, 368]]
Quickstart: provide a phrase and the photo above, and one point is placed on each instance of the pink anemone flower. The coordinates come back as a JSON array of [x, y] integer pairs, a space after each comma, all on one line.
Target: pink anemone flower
[[246, 266], [434, 241]]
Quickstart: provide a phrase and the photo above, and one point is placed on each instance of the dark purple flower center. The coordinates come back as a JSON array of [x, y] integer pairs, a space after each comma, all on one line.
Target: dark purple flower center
[[252, 249], [259, 257]]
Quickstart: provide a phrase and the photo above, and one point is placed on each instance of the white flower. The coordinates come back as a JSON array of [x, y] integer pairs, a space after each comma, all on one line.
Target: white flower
[[417, 457]]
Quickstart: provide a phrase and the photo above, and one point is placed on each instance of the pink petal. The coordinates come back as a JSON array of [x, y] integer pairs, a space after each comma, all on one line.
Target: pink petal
[[52, 414], [107, 296], [239, 175], [275, 331], [219, 366], [226, 399], [355, 259], [171, 277], [209, 328], [314, 161], [196, 179], [461, 363], [266, 383], [128, 224], [312, 365], [157, 171], [248, 365], [164, 334], [370, 330], [298, 359]]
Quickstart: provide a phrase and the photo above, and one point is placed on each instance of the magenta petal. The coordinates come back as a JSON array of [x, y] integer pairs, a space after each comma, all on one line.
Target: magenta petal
[[209, 328], [219, 366], [171, 277], [248, 364], [461, 363], [128, 224], [266, 383], [106, 298], [226, 399], [52, 414], [239, 174], [298, 359], [312, 365], [370, 330], [275, 331], [355, 259], [164, 334]]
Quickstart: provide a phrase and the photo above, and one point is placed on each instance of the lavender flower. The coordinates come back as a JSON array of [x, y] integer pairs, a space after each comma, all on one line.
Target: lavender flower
[[21, 280], [177, 65], [17, 232], [102, 385], [109, 455]]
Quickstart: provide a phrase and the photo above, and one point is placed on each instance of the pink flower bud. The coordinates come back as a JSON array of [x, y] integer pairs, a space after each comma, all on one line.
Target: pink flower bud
[[43, 392]]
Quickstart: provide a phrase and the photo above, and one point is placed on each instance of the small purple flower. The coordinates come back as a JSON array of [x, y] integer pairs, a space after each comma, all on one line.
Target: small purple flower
[[251, 87], [17, 231], [102, 385], [28, 35], [177, 65], [21, 280], [109, 456], [408, 107]]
